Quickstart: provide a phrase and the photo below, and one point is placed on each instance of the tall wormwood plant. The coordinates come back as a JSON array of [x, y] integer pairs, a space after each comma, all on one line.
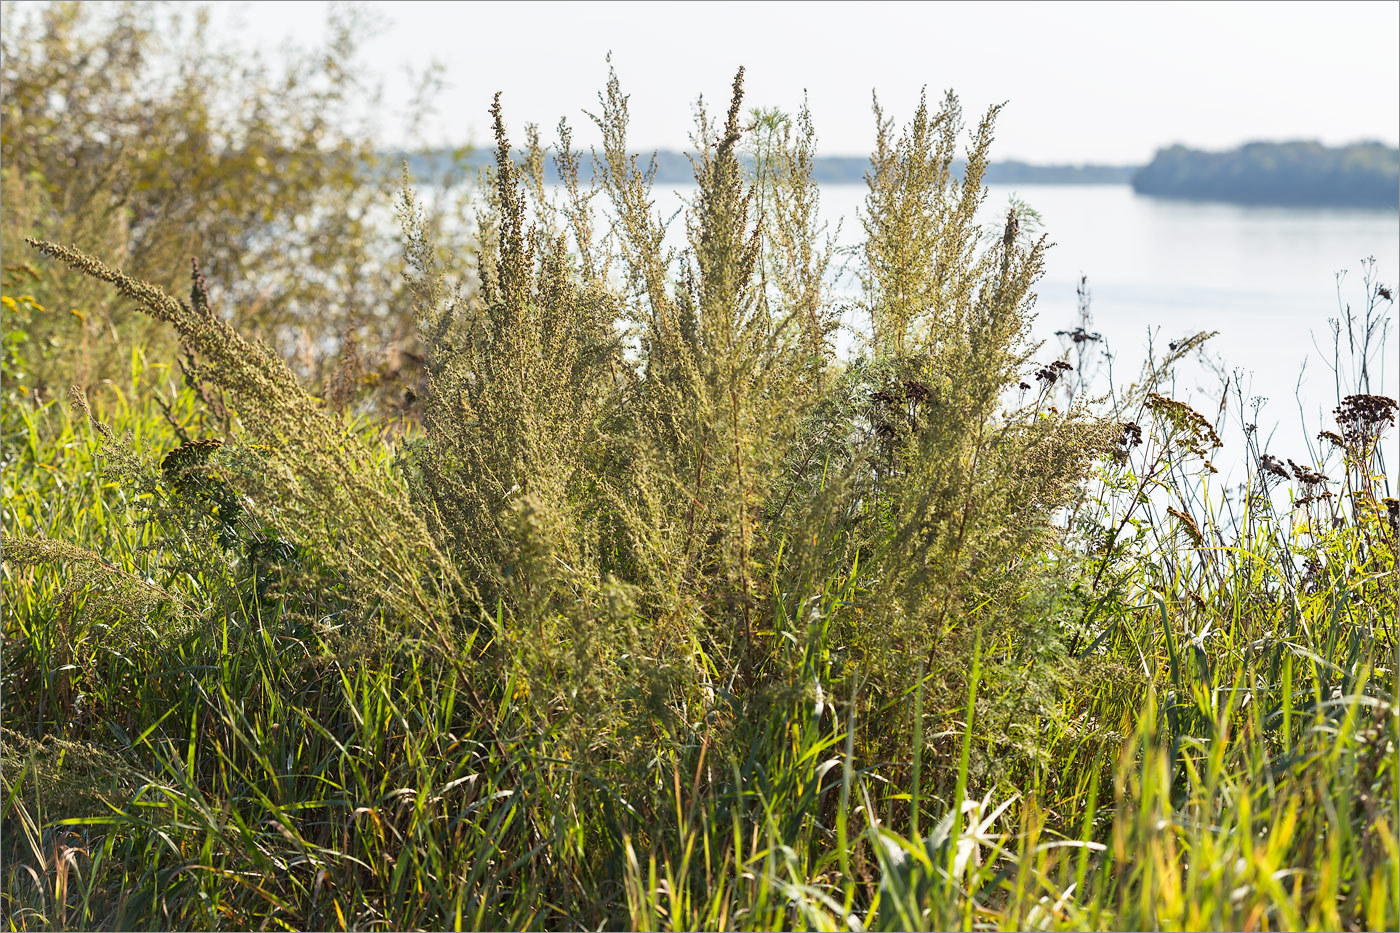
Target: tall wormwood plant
[[966, 481], [921, 226], [517, 468], [797, 247], [726, 342], [519, 380]]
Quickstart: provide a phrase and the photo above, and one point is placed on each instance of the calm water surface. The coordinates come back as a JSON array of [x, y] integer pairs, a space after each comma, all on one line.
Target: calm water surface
[[1266, 278]]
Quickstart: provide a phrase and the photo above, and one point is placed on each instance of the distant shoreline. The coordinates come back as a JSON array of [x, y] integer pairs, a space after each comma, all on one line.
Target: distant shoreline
[[1290, 174], [1297, 174], [674, 168]]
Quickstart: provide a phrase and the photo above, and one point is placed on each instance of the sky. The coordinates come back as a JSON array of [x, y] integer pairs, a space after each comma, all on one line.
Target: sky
[[1082, 82]]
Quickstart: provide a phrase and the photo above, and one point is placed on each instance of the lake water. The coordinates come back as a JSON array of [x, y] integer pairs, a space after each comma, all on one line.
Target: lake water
[[1265, 278]]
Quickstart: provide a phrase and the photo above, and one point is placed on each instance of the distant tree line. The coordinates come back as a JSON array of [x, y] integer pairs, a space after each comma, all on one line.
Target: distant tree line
[[674, 168], [1291, 173]]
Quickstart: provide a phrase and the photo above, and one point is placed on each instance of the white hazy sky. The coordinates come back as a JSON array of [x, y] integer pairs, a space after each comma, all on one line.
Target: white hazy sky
[[1083, 82]]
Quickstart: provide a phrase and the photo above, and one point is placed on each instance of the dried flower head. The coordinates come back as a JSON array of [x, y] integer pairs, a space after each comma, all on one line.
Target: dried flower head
[[1364, 418], [1188, 427], [1271, 464], [188, 456], [1187, 524], [916, 391], [1306, 476], [1051, 374], [1080, 335], [1132, 435]]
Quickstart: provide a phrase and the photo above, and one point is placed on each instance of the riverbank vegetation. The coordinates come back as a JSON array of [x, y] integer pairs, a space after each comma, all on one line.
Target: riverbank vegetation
[[646, 611], [1289, 174]]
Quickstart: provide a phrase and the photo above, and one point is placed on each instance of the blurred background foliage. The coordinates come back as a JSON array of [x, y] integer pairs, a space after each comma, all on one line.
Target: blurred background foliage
[[134, 132]]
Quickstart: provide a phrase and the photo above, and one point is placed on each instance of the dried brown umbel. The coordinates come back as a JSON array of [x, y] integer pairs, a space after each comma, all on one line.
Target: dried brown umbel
[[1132, 435], [189, 456], [1080, 335], [1306, 475], [910, 390], [1271, 464], [1051, 374], [916, 391], [1332, 437], [1364, 418], [1314, 574], [1319, 497]]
